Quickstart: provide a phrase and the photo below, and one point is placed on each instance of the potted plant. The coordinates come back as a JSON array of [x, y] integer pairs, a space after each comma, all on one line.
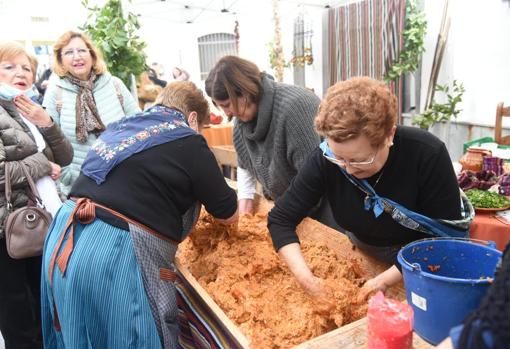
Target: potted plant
[[115, 35], [439, 112]]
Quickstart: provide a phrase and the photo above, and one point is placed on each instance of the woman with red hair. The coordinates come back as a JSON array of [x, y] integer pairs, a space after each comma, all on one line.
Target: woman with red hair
[[388, 185]]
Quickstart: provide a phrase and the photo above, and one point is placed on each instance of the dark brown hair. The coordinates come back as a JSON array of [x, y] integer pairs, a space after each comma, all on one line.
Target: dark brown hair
[[355, 107], [233, 77]]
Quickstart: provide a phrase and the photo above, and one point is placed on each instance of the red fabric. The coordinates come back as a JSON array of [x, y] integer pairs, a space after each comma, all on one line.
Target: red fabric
[[486, 226]]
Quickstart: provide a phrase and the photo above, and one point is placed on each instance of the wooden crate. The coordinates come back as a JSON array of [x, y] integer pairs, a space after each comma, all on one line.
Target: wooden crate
[[352, 335]]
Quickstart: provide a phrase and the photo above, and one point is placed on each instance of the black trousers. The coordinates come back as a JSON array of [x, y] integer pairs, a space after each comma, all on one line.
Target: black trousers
[[20, 301], [323, 213]]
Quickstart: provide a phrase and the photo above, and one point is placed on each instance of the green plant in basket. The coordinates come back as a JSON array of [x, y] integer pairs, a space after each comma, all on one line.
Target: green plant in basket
[[487, 199]]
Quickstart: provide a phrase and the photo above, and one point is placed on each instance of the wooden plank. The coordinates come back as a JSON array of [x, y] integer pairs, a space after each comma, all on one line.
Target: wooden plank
[[352, 336], [225, 155], [218, 134], [438, 55], [228, 325]]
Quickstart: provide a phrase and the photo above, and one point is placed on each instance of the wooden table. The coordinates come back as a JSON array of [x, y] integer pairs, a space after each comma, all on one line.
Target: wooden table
[[352, 336], [486, 226], [225, 155], [218, 134]]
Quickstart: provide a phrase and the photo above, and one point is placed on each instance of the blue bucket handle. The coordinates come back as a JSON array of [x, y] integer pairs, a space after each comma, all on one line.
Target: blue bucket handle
[[416, 266]]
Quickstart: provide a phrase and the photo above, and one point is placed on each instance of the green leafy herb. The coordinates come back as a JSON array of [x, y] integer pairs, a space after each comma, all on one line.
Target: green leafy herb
[[486, 199]]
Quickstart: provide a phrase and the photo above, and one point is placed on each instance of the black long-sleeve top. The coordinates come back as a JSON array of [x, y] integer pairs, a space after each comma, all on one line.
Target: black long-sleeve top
[[156, 186], [418, 175]]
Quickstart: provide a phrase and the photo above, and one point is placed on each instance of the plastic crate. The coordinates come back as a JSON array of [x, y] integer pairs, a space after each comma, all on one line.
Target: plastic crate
[[480, 141]]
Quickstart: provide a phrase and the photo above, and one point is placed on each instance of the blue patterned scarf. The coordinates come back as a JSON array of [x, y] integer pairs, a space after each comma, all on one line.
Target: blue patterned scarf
[[407, 218], [131, 135]]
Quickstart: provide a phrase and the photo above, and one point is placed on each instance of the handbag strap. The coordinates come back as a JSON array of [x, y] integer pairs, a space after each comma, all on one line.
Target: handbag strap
[[8, 187]]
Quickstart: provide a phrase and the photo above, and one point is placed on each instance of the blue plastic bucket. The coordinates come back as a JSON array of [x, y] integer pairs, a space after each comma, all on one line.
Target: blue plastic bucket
[[445, 280]]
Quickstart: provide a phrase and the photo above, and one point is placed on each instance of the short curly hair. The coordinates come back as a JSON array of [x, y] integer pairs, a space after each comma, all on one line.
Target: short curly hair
[[186, 97], [355, 107]]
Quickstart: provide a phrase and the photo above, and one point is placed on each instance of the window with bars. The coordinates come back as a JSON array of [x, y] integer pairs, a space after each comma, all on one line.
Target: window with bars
[[212, 47]]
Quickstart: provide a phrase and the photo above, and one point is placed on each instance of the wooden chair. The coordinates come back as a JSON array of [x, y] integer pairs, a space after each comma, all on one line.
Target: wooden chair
[[501, 111]]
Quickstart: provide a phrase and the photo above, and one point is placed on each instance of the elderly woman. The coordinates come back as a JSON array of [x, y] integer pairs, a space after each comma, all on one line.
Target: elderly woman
[[108, 260], [83, 98], [273, 133], [30, 138], [387, 185]]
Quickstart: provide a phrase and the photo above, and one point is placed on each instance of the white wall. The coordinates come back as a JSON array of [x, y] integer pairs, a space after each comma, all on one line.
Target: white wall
[[477, 54], [173, 44]]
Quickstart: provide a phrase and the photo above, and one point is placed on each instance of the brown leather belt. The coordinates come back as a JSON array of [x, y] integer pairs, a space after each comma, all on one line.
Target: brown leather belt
[[85, 212]]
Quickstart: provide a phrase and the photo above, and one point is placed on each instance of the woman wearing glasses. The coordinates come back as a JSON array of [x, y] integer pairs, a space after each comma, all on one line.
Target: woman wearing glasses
[[368, 167], [83, 98]]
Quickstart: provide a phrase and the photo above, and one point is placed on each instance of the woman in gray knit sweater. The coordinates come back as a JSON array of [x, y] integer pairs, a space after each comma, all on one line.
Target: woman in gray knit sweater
[[273, 132]]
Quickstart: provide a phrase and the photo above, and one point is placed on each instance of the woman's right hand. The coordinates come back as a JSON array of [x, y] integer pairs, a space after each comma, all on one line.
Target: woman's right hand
[[320, 293], [32, 111], [246, 206], [56, 171], [316, 288]]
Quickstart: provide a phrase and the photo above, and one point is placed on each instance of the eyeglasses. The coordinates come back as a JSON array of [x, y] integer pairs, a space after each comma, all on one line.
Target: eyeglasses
[[75, 51], [328, 154]]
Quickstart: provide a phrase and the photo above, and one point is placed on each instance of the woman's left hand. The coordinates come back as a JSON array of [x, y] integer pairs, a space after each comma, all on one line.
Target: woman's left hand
[[381, 282], [32, 111], [369, 289]]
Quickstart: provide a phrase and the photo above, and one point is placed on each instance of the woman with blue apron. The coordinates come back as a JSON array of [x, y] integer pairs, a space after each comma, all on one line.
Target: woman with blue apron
[[388, 185], [108, 273]]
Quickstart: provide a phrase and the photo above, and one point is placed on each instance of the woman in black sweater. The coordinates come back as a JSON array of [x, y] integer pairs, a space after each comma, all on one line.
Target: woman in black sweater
[[365, 166], [108, 273]]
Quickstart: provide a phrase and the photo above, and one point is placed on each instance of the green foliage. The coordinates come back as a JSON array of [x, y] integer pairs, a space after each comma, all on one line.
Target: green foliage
[[414, 37], [116, 37], [439, 112]]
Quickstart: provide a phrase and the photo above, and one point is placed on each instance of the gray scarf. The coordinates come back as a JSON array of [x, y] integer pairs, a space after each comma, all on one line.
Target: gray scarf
[[87, 117]]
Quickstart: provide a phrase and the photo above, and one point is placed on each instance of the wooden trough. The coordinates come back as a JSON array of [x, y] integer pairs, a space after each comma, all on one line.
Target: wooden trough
[[353, 335]]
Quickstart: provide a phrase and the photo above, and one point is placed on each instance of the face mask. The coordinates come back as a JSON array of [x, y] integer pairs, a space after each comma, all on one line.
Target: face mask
[[8, 92]]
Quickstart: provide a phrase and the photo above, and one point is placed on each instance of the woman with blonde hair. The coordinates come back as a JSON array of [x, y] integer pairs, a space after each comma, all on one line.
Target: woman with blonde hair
[[108, 260], [388, 185], [29, 140], [83, 98]]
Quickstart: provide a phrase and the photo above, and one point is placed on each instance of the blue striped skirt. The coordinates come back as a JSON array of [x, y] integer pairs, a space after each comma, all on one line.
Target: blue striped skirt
[[101, 301]]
